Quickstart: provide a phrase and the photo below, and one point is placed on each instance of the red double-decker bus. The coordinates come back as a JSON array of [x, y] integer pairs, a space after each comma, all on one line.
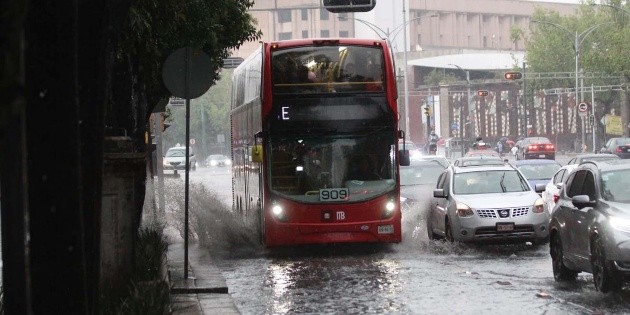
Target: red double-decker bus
[[315, 142]]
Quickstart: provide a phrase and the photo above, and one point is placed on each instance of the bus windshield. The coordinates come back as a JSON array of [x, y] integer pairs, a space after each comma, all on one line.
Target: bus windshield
[[326, 69], [359, 167]]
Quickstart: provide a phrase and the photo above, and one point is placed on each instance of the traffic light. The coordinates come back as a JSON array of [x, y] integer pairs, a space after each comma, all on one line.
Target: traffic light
[[482, 93], [513, 75], [427, 110], [337, 6]]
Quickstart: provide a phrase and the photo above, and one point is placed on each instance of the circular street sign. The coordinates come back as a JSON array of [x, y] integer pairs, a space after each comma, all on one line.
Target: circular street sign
[[192, 141], [583, 107], [187, 62]]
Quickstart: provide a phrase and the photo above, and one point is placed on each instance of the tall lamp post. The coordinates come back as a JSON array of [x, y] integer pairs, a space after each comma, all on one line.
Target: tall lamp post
[[391, 36], [461, 118], [578, 40]]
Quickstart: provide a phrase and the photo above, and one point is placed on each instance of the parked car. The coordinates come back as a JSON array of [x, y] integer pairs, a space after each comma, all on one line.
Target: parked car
[[486, 204], [537, 171], [217, 160], [592, 157], [617, 146], [418, 180], [590, 225], [536, 148], [175, 158], [552, 189]]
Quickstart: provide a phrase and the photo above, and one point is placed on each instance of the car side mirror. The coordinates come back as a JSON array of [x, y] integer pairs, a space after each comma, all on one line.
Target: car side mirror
[[439, 193], [559, 185], [404, 157], [582, 201], [539, 188]]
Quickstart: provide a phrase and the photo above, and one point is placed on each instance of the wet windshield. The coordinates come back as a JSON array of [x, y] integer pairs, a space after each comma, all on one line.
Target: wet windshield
[[360, 166], [176, 153], [614, 187], [538, 171], [488, 182]]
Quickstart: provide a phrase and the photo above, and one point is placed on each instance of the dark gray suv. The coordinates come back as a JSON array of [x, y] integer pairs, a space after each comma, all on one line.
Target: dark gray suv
[[590, 225]]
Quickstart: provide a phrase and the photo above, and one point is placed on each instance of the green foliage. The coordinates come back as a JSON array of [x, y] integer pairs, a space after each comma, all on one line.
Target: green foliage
[[157, 28], [603, 35], [437, 77], [214, 105]]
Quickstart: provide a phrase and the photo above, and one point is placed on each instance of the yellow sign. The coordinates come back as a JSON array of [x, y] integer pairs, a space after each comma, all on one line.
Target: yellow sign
[[613, 125]]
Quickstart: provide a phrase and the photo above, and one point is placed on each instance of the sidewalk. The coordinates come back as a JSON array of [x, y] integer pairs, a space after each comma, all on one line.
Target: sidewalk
[[205, 291]]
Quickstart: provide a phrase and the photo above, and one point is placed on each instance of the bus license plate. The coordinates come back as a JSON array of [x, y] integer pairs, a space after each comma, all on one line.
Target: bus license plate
[[505, 227], [333, 194], [386, 229]]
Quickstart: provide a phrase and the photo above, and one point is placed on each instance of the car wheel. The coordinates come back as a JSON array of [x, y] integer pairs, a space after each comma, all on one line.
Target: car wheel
[[603, 272], [560, 271], [448, 232], [430, 233]]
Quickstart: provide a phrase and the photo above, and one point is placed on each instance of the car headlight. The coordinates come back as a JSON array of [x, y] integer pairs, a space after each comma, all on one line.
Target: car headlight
[[228, 162], [165, 162], [620, 224], [539, 206], [463, 210], [213, 163]]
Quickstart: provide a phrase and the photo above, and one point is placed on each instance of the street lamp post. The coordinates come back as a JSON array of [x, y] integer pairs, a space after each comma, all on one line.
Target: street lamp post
[[390, 36], [578, 40], [461, 115]]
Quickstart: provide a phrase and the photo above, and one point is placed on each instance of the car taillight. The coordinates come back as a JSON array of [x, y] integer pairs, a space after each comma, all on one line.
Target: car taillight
[[549, 147], [532, 148], [555, 198], [618, 150]]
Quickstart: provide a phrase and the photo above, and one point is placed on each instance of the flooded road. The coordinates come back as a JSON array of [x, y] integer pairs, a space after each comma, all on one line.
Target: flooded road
[[417, 276]]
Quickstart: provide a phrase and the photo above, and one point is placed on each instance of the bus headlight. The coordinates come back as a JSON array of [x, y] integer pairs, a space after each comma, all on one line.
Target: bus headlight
[[390, 206], [278, 212]]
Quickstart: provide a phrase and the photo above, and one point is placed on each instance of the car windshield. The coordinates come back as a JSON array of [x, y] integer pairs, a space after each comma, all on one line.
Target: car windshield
[[488, 182], [614, 187], [421, 174], [175, 153], [217, 157], [538, 171]]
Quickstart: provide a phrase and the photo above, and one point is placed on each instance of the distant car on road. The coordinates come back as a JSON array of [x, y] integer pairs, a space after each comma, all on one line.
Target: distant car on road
[[175, 159], [617, 146], [482, 153], [217, 160], [592, 157], [590, 225], [478, 160], [437, 158], [486, 204], [538, 171], [536, 148]]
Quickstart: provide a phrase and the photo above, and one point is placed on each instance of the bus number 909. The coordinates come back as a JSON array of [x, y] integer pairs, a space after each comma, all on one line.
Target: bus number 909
[[333, 194]]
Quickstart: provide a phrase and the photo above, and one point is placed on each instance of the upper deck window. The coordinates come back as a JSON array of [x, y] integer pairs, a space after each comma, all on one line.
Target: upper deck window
[[323, 69]]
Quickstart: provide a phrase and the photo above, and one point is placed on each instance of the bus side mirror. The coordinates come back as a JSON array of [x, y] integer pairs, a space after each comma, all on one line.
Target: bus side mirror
[[404, 157], [256, 153]]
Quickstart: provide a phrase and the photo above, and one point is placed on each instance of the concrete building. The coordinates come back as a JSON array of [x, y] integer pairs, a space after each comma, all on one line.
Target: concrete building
[[449, 35]]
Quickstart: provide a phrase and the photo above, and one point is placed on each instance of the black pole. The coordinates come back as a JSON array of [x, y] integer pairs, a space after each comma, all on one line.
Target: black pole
[[186, 165]]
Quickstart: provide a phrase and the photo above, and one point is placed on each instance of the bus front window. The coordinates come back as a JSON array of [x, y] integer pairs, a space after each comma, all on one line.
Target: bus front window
[[362, 166]]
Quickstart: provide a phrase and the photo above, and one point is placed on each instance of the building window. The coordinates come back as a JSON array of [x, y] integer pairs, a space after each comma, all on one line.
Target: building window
[[324, 33], [284, 16], [485, 42], [304, 34], [343, 34], [304, 15], [285, 36], [419, 39], [323, 14]]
